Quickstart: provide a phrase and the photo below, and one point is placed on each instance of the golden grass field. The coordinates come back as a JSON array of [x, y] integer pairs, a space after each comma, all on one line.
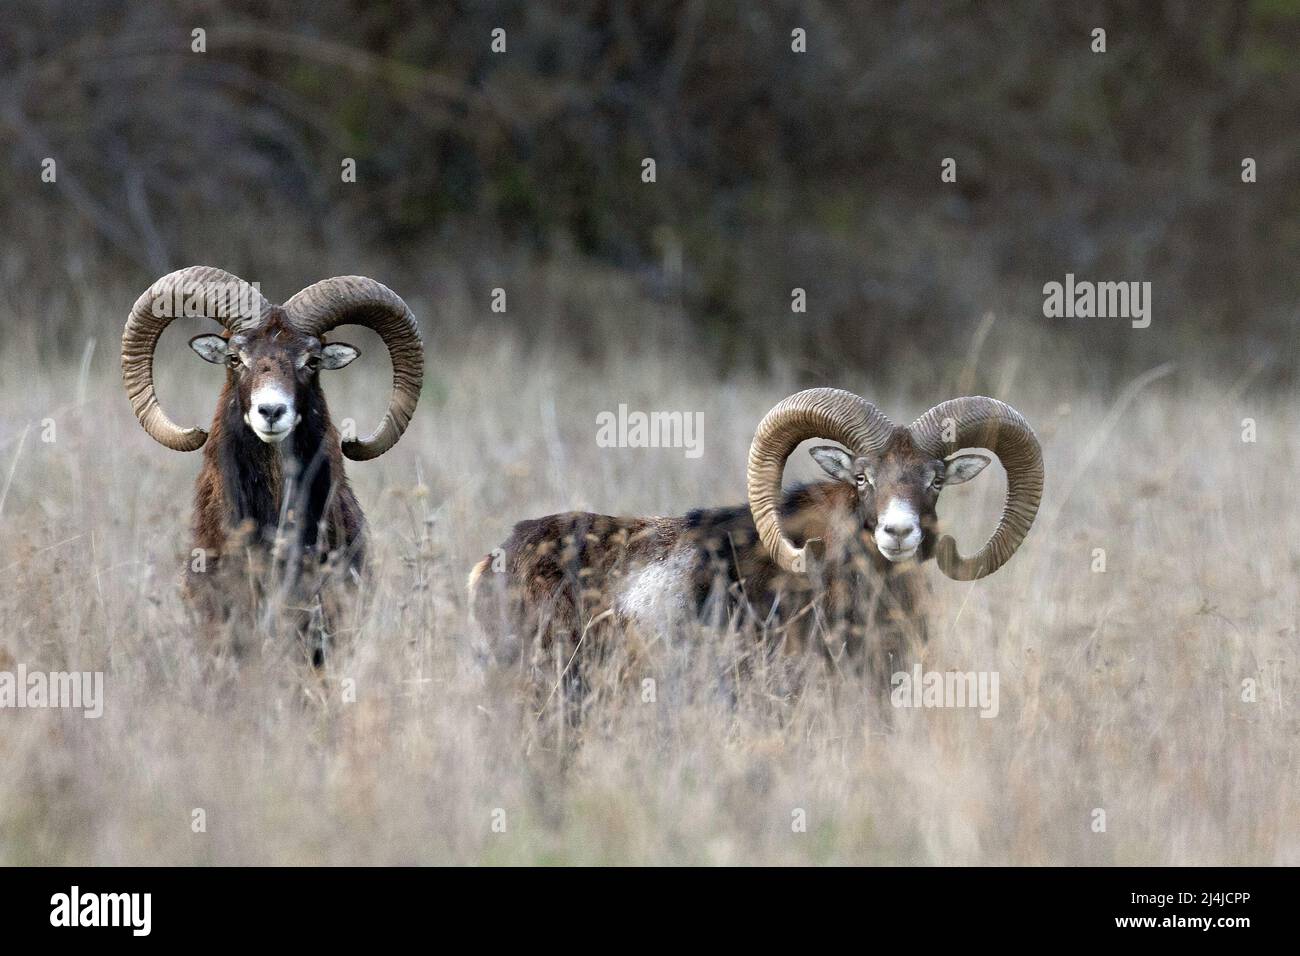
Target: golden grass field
[[1119, 690]]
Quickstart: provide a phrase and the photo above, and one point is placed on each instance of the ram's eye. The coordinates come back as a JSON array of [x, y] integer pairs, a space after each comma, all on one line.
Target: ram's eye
[[233, 359], [937, 482], [861, 480]]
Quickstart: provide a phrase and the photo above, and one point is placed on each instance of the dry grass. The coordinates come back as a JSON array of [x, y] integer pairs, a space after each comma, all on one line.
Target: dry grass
[[1119, 690]]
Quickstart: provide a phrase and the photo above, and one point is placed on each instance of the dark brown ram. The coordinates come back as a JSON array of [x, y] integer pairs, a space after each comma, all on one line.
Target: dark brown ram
[[834, 562], [272, 489]]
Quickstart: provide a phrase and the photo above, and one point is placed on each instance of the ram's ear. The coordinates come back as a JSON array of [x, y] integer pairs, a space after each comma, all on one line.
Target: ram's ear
[[964, 468], [337, 355], [835, 462], [211, 348]]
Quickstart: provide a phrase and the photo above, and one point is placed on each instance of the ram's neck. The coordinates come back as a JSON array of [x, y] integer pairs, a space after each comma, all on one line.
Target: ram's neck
[[826, 514], [270, 489], [315, 466], [818, 512], [251, 473]]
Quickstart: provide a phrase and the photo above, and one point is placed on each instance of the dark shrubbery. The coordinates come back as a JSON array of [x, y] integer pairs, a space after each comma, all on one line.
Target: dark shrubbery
[[775, 169]]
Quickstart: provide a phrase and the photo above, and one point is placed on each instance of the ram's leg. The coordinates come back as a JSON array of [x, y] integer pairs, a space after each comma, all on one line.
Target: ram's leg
[[340, 594], [204, 600], [901, 625], [219, 605], [551, 672], [318, 631], [853, 603], [500, 625]]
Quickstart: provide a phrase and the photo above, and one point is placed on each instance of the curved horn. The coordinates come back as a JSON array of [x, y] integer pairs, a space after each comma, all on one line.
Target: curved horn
[[356, 300], [196, 292], [815, 413], [979, 422]]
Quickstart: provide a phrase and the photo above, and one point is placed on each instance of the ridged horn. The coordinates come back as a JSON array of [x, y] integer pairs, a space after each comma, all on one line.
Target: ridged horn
[[830, 413], [356, 300], [195, 292], [979, 422]]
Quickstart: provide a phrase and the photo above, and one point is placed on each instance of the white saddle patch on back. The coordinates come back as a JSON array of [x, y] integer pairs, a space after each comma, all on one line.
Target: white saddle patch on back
[[657, 593]]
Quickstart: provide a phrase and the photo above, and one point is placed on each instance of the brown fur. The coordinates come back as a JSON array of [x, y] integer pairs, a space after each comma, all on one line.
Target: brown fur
[[255, 541], [554, 577]]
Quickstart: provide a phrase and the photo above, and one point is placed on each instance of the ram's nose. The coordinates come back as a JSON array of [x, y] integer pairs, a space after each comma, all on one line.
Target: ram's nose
[[900, 530], [272, 413]]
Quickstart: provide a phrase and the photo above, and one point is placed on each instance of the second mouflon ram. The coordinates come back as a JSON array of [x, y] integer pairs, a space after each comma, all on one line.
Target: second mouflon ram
[[832, 564]]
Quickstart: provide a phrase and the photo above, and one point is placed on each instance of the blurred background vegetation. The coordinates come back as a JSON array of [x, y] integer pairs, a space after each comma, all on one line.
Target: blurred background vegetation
[[775, 169]]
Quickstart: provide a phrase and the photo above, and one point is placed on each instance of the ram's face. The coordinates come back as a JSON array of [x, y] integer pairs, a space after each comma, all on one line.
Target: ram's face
[[897, 491], [272, 369]]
